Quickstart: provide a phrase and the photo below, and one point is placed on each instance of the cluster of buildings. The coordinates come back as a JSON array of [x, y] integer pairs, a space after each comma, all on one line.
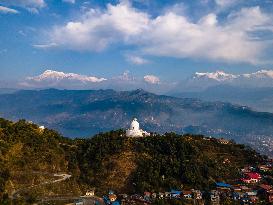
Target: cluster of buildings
[[149, 197], [255, 185]]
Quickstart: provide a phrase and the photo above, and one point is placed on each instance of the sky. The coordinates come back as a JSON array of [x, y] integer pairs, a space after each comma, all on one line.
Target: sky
[[160, 42]]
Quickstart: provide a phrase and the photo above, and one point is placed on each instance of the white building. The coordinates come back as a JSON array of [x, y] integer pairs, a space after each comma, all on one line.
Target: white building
[[135, 131]]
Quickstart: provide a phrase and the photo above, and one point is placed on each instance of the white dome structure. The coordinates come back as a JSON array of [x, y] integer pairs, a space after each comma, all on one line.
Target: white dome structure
[[135, 131], [134, 125]]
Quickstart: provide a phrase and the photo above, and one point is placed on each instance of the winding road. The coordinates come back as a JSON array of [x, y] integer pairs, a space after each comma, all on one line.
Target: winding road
[[62, 177]]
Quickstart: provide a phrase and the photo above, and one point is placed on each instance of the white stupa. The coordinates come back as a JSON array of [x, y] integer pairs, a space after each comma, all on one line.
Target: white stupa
[[134, 130]]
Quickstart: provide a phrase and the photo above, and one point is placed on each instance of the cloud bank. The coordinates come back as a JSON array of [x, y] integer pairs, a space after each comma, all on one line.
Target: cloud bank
[[232, 39], [31, 5], [7, 10]]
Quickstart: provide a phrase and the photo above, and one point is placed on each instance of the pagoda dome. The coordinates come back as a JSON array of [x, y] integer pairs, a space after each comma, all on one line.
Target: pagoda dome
[[134, 125]]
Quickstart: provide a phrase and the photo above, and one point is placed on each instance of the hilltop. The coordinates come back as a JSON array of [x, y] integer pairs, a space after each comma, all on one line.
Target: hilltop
[[31, 156], [79, 113]]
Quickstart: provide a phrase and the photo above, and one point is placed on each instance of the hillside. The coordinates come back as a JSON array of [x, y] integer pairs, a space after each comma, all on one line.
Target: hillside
[[80, 113], [159, 163], [31, 156], [31, 160]]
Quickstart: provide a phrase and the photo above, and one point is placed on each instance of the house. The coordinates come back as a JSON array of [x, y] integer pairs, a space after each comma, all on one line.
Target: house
[[90, 193], [154, 195], [236, 196], [264, 168], [187, 194], [112, 197], [237, 188], [111, 192], [106, 200], [79, 202], [168, 195], [197, 194], [226, 161], [253, 199], [214, 197], [251, 193], [265, 187], [223, 186], [245, 189], [245, 199], [270, 196], [267, 191], [161, 195], [147, 196], [223, 141], [176, 194], [251, 177]]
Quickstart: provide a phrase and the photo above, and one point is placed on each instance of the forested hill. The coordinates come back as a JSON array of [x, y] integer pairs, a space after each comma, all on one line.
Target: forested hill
[[31, 156]]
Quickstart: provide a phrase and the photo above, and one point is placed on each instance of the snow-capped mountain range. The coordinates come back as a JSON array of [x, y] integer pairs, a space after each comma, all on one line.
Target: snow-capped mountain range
[[58, 76], [198, 81], [222, 76], [202, 80], [218, 76], [57, 79]]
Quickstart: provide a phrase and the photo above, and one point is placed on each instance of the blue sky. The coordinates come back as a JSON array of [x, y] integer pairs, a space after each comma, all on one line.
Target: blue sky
[[167, 39]]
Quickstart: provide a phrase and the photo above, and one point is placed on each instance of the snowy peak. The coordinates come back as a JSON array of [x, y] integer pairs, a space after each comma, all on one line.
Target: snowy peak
[[260, 74], [218, 76], [58, 76], [221, 76]]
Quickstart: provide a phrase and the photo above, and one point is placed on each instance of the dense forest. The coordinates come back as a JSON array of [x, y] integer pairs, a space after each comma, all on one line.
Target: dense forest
[[30, 155]]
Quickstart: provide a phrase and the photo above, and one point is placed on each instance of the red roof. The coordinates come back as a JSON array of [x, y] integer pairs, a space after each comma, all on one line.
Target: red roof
[[266, 187], [253, 175]]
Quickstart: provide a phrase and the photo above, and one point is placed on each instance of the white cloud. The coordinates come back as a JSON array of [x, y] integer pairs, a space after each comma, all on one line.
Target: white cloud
[[152, 79], [136, 59], [97, 29], [31, 5], [226, 3], [170, 34], [45, 46], [7, 10], [70, 1]]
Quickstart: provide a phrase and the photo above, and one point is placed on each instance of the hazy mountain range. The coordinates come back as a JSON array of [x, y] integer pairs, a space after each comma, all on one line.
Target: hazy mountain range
[[259, 99]]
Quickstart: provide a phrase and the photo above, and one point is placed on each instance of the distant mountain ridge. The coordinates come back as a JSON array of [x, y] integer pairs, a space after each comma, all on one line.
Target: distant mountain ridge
[[259, 99]]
